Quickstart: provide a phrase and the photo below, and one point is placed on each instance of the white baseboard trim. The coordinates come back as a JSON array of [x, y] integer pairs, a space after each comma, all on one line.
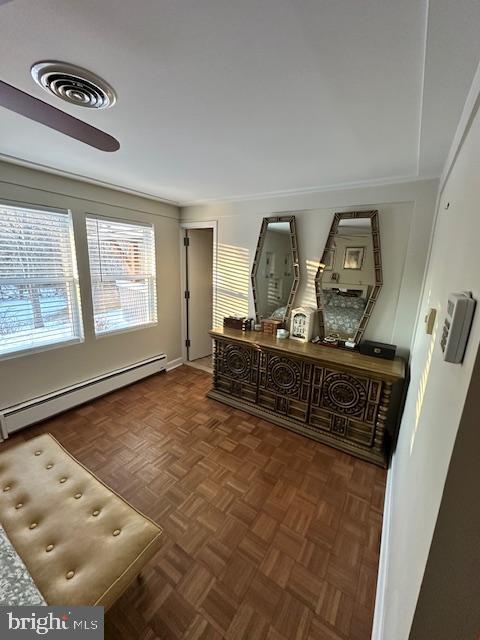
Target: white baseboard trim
[[173, 364], [27, 413], [379, 614], [3, 428]]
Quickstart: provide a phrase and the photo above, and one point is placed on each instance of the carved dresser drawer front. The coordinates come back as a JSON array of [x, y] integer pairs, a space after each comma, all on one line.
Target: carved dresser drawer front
[[345, 405], [236, 370], [236, 389], [281, 374], [346, 394], [235, 361], [284, 385], [342, 427], [282, 405], [345, 400]]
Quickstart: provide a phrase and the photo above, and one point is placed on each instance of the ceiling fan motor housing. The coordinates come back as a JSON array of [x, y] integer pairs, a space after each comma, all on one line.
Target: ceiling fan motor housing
[[73, 84]]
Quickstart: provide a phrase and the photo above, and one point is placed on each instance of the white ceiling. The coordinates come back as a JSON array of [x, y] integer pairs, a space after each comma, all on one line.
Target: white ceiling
[[228, 98]]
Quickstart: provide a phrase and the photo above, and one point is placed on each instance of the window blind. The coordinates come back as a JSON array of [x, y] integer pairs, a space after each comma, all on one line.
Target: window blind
[[39, 299], [122, 270]]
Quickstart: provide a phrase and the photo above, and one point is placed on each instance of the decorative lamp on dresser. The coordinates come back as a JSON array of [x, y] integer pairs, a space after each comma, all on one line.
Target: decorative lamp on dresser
[[341, 398]]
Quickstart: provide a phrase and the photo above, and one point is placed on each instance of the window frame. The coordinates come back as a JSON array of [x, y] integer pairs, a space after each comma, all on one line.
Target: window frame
[[75, 307], [152, 280]]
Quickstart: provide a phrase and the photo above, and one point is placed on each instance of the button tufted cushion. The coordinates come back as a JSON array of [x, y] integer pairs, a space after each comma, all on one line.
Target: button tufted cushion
[[81, 542]]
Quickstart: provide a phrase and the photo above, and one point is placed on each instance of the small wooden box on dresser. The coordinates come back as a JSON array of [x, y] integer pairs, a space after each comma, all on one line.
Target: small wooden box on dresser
[[341, 398]]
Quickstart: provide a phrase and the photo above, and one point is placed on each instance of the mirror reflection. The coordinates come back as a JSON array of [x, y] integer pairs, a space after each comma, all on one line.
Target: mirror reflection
[[274, 274], [351, 276]]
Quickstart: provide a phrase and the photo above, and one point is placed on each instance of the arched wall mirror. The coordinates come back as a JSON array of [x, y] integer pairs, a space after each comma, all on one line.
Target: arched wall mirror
[[275, 272], [349, 277]]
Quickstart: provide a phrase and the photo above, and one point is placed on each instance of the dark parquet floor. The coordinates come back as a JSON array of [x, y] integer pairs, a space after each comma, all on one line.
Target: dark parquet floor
[[267, 534]]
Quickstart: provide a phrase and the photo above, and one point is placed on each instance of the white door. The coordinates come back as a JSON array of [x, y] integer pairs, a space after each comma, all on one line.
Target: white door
[[199, 257]]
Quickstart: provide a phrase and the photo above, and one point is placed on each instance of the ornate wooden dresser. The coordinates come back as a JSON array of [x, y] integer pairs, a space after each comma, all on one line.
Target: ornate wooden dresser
[[341, 398]]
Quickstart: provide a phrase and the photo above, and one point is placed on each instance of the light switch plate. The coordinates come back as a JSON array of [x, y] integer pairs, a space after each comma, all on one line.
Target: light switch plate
[[430, 320]]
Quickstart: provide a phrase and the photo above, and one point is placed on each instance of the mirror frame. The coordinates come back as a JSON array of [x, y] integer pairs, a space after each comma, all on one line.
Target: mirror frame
[[295, 261], [377, 261]]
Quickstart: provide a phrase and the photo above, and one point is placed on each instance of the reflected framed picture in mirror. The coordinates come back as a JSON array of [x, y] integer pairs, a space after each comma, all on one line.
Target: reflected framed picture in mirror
[[353, 258]]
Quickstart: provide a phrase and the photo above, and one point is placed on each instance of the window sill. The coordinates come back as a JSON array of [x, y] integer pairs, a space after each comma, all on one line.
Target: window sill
[[137, 327], [46, 347]]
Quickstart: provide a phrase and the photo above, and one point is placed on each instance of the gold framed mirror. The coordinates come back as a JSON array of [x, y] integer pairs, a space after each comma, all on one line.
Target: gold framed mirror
[[349, 278], [275, 271]]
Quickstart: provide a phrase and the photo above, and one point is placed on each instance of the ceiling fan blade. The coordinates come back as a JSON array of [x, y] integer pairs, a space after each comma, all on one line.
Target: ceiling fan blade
[[35, 109]]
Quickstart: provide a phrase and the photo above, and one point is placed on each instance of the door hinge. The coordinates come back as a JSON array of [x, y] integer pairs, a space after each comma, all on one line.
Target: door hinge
[[186, 241], [187, 295], [187, 343]]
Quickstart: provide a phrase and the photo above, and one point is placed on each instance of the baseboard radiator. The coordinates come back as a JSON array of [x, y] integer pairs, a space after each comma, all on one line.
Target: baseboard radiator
[[26, 413]]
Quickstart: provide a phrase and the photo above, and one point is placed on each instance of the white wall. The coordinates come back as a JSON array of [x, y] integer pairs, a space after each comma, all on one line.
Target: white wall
[[26, 377], [435, 399], [406, 213]]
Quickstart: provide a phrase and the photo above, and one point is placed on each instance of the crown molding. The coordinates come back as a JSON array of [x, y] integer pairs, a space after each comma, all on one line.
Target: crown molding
[[341, 186], [81, 178], [378, 182]]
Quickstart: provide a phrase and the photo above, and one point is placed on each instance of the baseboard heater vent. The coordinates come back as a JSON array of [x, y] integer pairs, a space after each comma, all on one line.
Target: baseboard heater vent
[[27, 413]]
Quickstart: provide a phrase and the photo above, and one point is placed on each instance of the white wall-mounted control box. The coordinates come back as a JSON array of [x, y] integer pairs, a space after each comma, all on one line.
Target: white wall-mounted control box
[[456, 327]]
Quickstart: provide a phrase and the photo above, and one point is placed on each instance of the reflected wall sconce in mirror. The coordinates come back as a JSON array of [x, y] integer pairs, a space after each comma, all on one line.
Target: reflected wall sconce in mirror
[[349, 277], [276, 270]]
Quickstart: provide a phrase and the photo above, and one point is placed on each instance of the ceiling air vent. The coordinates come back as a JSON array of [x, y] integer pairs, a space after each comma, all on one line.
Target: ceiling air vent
[[74, 84]]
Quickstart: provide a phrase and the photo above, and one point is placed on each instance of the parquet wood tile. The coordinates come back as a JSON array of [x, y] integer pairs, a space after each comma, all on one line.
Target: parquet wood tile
[[320, 631], [173, 617], [263, 594], [253, 548], [219, 608], [237, 576], [343, 575], [305, 586], [195, 585], [277, 566], [315, 558], [293, 617], [299, 515], [201, 629], [267, 535], [336, 609], [247, 623]]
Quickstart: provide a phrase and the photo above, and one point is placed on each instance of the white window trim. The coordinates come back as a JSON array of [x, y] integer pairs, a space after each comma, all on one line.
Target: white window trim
[[137, 327], [59, 344]]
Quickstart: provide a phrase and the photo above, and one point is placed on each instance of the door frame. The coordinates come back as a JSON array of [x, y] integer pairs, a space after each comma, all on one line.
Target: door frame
[[204, 224]]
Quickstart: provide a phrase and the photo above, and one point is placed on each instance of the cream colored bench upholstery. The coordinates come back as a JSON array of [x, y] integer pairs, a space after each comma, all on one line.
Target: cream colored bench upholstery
[[81, 542]]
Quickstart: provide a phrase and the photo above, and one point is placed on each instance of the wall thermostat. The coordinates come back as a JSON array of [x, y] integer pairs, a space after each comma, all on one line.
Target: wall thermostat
[[456, 327]]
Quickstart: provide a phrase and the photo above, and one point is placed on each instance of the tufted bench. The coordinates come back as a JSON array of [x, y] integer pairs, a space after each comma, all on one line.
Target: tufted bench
[[81, 542]]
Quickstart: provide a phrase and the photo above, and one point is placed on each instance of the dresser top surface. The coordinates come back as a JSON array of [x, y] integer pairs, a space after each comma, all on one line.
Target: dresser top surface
[[387, 369]]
